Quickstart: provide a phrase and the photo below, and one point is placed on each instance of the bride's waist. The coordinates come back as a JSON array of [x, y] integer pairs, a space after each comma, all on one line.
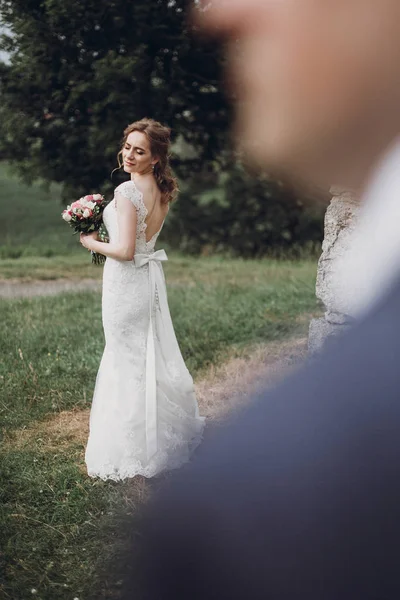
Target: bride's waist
[[126, 266], [120, 264], [113, 264]]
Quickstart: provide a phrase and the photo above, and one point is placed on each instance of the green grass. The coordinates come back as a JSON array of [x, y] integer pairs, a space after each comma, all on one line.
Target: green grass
[[57, 526], [31, 223], [50, 525], [73, 265], [51, 347], [179, 269], [54, 521]]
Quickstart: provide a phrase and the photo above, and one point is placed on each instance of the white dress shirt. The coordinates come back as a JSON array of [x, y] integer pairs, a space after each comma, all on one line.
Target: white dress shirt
[[371, 265]]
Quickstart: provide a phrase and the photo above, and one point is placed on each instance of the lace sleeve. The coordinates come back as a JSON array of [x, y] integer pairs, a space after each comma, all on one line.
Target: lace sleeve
[[129, 190]]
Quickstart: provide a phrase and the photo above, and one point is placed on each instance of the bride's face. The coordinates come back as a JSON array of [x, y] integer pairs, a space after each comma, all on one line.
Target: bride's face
[[136, 154]]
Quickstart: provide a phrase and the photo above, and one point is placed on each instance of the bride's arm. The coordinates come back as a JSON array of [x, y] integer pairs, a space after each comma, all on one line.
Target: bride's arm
[[124, 249]]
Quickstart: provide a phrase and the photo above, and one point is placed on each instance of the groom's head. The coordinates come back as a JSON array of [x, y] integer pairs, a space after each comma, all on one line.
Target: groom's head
[[318, 81]]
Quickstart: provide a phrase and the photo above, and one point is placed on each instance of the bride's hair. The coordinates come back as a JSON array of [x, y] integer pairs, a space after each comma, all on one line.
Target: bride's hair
[[159, 137]]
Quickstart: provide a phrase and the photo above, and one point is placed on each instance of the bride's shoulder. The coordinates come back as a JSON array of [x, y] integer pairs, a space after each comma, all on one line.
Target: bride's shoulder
[[125, 186], [129, 190]]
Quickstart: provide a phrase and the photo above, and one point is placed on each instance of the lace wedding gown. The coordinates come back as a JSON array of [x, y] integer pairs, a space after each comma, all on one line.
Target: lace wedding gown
[[144, 417]]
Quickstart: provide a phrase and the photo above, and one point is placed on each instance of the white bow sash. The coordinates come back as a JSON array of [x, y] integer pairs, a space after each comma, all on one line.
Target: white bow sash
[[156, 285]]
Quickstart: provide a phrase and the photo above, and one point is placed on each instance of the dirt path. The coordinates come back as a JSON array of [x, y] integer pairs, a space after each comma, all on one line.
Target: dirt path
[[232, 384], [18, 289]]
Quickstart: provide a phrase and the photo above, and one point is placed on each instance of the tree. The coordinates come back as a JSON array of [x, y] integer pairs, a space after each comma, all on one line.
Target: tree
[[80, 71], [244, 215]]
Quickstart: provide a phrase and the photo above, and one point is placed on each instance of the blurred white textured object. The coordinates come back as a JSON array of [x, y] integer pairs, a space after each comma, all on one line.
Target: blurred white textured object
[[371, 263]]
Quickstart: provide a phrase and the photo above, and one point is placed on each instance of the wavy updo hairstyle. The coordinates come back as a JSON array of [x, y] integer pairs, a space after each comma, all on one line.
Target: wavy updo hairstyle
[[159, 137]]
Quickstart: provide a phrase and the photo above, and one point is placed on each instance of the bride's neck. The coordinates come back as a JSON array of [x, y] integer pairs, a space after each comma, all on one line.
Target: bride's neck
[[143, 175]]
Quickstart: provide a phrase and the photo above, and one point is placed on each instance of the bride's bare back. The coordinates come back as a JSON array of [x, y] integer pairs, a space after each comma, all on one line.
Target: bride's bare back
[[157, 209]]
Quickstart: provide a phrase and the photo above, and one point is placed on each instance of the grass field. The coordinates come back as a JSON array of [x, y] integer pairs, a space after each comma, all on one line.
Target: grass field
[[58, 529], [31, 223]]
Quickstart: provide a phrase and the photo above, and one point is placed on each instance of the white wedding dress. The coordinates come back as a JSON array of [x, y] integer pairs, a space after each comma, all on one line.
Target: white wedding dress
[[144, 417]]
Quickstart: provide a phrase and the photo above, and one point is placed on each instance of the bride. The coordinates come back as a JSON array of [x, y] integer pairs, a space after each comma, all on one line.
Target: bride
[[144, 417]]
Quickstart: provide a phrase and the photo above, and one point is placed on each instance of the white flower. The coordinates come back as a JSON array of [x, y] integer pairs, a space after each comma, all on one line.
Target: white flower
[[88, 204], [33, 591], [86, 213], [67, 217], [97, 197]]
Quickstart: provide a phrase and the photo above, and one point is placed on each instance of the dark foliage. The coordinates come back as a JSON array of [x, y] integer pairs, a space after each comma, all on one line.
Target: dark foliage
[[81, 70]]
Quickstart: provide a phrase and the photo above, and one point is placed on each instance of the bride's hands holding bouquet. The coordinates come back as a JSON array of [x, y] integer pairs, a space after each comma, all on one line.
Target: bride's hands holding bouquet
[[85, 216], [87, 238]]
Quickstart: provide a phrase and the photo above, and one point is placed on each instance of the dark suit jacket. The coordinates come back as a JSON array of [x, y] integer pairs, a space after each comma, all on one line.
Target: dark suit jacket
[[299, 495]]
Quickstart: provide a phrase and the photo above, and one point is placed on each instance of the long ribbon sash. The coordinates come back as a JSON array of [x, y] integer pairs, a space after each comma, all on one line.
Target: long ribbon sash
[[156, 283]]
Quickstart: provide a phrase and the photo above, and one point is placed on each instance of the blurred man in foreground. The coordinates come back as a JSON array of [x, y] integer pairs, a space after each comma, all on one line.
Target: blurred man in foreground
[[299, 495]]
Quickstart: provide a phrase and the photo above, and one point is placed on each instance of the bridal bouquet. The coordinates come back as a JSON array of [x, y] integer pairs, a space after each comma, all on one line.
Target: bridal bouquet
[[86, 215]]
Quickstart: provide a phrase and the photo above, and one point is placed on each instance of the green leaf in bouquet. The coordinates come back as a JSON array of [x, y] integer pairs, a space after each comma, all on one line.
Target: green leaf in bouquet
[[103, 233], [98, 259]]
